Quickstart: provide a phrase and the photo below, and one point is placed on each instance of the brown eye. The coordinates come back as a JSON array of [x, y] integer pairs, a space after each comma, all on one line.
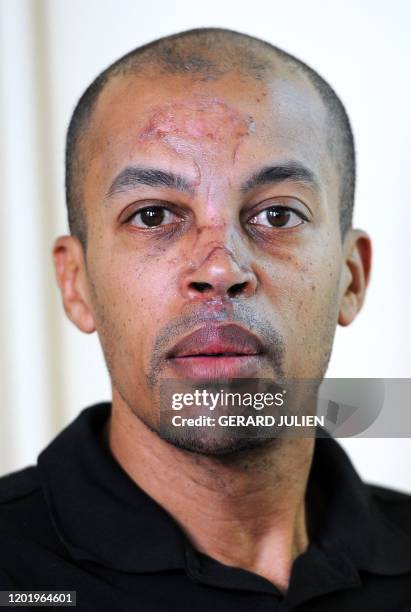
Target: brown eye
[[152, 216], [277, 216]]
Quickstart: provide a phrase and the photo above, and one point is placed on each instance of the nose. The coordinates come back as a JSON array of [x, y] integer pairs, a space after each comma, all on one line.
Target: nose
[[219, 275]]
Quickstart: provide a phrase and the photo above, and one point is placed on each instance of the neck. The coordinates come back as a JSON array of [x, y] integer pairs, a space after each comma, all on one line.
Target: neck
[[246, 510]]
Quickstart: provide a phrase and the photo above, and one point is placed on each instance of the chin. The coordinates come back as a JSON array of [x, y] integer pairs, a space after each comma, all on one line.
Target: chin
[[214, 445]]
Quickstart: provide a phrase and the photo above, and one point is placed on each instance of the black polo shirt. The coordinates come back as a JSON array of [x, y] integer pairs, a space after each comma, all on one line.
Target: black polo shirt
[[77, 522]]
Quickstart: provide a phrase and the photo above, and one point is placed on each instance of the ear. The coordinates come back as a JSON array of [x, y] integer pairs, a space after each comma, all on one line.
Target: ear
[[355, 274], [71, 275]]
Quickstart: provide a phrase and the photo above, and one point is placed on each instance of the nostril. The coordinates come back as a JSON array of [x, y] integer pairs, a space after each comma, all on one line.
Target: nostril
[[237, 289], [201, 287]]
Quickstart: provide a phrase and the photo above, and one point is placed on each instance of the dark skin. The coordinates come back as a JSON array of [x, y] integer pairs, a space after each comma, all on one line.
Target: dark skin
[[268, 256]]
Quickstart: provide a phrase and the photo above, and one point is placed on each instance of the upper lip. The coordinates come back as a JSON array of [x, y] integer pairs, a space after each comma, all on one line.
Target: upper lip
[[228, 339]]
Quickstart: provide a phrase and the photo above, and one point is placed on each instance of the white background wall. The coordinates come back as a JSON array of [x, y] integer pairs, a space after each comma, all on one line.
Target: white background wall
[[50, 51]]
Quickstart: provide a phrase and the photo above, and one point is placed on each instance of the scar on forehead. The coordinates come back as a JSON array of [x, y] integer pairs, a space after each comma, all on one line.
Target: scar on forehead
[[205, 119]]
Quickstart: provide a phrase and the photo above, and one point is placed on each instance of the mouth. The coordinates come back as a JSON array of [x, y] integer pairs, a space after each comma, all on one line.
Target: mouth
[[224, 351]]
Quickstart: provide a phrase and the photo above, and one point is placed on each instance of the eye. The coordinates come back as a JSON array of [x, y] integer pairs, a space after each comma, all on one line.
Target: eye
[[152, 216], [278, 216]]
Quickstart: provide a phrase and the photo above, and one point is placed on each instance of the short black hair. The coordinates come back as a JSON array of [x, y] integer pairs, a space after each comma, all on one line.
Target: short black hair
[[207, 53]]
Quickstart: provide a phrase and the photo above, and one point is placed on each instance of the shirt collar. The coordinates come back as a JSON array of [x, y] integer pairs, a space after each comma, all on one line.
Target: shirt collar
[[98, 511], [101, 515], [355, 525]]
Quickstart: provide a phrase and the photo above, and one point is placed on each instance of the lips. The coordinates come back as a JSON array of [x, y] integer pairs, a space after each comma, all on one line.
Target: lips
[[217, 351]]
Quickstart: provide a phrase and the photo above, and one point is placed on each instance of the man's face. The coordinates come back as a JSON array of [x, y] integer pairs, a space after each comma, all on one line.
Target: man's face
[[214, 247]]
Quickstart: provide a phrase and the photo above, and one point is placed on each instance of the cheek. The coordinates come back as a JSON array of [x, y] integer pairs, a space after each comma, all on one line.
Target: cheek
[[133, 294], [132, 297], [303, 292], [300, 274]]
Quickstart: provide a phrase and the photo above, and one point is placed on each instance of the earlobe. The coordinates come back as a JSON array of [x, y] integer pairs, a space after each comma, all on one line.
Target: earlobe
[[71, 277], [355, 275]]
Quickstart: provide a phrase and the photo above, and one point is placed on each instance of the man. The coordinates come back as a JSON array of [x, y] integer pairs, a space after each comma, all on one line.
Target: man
[[210, 184]]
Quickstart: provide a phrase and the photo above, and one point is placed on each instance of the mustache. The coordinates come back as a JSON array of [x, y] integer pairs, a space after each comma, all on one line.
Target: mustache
[[240, 313]]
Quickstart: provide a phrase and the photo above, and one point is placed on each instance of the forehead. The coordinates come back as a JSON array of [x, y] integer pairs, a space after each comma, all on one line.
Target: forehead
[[235, 118]]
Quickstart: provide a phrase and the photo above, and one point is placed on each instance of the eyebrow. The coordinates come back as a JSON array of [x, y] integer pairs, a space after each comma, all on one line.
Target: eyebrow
[[133, 176], [286, 171]]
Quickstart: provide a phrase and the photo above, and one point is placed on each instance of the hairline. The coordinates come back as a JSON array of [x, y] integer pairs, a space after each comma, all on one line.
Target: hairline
[[129, 64]]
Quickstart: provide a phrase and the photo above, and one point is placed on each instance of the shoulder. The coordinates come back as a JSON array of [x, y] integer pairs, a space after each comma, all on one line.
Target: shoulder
[[21, 501], [26, 529], [23, 507], [394, 505], [18, 485], [389, 498]]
